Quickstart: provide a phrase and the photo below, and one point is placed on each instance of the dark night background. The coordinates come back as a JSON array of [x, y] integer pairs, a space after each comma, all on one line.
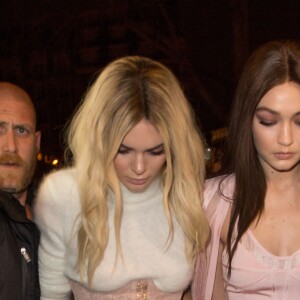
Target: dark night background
[[54, 49]]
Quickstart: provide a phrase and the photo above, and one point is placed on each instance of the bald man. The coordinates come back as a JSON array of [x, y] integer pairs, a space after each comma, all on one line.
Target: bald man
[[19, 144]]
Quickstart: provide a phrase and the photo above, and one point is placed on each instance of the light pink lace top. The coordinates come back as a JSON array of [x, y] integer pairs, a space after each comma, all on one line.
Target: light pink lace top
[[256, 274], [135, 290]]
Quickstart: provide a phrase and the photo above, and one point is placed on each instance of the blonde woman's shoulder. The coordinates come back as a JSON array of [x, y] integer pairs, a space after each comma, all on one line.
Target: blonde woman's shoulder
[[60, 178], [58, 188]]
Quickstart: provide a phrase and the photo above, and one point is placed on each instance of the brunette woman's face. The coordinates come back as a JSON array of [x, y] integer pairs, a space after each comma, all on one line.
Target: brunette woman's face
[[141, 157], [276, 128]]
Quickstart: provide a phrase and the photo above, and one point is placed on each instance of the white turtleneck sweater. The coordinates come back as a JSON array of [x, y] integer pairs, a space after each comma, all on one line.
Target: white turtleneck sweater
[[144, 233]]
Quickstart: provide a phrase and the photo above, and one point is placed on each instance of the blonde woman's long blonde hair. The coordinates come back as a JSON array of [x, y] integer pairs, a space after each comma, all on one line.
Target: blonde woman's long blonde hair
[[128, 90]]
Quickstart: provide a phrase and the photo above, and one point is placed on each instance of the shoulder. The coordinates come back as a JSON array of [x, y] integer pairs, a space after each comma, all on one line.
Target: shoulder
[[57, 199], [224, 185], [59, 181], [57, 189], [62, 176]]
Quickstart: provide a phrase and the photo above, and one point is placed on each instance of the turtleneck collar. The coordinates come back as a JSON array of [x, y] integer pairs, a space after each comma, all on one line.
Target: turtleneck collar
[[152, 192]]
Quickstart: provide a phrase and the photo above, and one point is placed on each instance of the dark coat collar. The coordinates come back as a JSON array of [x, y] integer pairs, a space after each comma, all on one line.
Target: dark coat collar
[[12, 207]]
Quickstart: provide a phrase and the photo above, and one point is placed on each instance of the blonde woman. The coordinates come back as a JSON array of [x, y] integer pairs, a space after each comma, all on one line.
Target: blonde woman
[[125, 222]]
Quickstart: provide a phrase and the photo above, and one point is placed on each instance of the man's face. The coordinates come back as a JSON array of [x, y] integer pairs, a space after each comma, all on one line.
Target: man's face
[[19, 143]]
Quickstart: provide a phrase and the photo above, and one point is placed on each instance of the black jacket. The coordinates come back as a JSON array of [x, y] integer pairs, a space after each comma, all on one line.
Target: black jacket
[[19, 238]]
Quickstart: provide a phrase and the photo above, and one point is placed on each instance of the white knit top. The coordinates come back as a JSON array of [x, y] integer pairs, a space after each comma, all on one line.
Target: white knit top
[[144, 233]]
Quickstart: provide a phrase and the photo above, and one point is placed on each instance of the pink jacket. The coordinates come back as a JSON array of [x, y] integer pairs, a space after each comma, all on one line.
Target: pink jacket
[[216, 207]]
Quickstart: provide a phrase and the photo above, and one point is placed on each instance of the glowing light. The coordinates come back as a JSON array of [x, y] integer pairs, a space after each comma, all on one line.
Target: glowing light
[[55, 162], [40, 156]]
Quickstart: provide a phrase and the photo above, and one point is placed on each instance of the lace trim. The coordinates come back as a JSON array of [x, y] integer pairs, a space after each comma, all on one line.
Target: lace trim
[[262, 255]]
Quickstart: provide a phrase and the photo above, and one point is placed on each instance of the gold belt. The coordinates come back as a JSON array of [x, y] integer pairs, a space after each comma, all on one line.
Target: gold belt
[[141, 290]]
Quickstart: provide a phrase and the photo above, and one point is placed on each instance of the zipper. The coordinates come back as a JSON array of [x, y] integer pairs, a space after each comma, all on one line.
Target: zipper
[[25, 262], [25, 255]]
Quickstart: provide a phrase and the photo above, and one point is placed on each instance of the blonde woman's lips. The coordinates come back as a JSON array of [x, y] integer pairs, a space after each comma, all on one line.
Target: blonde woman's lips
[[138, 181]]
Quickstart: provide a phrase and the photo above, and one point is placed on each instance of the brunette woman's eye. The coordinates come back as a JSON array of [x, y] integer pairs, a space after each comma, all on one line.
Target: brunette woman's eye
[[267, 123]]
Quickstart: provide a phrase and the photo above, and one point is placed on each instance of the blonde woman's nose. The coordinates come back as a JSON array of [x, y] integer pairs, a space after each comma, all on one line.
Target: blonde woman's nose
[[138, 164]]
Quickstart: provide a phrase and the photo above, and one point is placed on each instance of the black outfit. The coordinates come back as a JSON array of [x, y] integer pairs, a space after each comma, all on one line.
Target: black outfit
[[19, 239]]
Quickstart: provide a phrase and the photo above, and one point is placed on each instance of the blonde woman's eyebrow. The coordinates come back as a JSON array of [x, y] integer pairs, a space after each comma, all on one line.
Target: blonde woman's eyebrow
[[148, 150]]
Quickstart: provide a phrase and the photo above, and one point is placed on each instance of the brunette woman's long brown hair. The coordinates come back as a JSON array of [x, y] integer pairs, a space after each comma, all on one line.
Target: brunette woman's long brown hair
[[272, 64]]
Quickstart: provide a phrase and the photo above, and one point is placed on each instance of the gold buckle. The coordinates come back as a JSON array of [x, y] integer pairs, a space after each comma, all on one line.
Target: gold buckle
[[141, 290]]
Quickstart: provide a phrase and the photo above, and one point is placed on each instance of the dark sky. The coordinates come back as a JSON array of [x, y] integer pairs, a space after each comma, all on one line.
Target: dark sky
[[54, 48]]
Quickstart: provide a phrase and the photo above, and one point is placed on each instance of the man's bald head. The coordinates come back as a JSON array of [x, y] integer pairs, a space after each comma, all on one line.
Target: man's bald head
[[19, 140], [11, 91]]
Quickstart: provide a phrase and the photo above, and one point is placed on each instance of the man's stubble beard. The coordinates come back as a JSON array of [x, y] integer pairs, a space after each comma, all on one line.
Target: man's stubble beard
[[14, 182]]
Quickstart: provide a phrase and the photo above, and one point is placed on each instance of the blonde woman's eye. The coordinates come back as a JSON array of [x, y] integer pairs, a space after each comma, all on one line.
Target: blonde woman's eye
[[156, 153], [123, 151]]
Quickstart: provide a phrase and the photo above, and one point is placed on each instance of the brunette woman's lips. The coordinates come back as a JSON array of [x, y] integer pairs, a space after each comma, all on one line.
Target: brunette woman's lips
[[284, 155], [138, 181]]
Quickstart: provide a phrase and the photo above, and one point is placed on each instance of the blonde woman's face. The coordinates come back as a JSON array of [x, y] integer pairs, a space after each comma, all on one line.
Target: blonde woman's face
[[141, 157]]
